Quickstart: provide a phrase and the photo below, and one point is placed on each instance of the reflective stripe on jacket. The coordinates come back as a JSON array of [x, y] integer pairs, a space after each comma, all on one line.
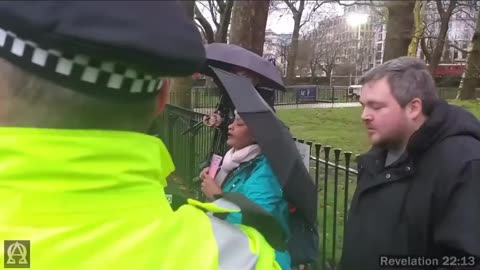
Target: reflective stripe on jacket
[[95, 200]]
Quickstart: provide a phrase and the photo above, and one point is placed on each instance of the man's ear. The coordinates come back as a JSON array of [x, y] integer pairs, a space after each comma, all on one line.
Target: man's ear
[[162, 97], [415, 108]]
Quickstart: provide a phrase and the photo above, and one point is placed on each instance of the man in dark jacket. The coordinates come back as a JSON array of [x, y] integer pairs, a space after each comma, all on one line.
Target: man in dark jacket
[[418, 192]]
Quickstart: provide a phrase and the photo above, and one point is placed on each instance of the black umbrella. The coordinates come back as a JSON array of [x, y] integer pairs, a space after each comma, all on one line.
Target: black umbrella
[[226, 56], [274, 139]]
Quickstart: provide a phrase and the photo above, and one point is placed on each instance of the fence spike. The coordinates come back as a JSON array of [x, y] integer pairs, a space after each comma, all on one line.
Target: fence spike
[[318, 146], [326, 150], [337, 152]]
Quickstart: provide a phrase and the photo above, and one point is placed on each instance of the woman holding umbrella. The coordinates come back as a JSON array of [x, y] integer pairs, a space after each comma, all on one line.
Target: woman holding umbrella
[[215, 119], [246, 170]]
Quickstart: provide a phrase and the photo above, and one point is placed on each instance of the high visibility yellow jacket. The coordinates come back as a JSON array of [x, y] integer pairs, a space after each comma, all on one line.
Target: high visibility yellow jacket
[[88, 199]]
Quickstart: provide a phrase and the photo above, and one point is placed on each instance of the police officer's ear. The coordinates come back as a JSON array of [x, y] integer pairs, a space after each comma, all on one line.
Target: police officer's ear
[[162, 97]]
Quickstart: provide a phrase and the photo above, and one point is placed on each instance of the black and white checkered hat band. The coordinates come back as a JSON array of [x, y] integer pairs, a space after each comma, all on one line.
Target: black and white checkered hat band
[[81, 68]]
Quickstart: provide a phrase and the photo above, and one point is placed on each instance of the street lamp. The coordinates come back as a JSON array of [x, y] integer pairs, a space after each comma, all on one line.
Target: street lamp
[[356, 20]]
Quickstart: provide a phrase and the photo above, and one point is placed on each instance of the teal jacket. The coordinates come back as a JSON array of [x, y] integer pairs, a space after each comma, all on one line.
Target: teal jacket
[[256, 180]]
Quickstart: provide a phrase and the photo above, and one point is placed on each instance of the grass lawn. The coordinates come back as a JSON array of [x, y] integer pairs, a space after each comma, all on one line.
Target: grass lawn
[[339, 128]]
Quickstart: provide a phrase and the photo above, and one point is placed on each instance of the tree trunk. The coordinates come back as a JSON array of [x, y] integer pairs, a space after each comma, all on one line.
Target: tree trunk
[[181, 87], [313, 69], [418, 26], [249, 20], [446, 51], [440, 44], [292, 53], [472, 72], [222, 32], [399, 28], [328, 75], [426, 52]]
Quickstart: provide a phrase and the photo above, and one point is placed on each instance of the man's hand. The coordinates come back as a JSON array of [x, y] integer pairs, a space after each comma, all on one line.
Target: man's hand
[[209, 187]]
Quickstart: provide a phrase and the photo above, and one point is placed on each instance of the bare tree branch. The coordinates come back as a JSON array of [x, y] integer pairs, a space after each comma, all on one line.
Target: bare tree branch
[[458, 48], [364, 3], [451, 7], [225, 18], [207, 28], [319, 51], [440, 8], [316, 6], [291, 7], [221, 6], [425, 50], [200, 26], [380, 11], [205, 6], [213, 12]]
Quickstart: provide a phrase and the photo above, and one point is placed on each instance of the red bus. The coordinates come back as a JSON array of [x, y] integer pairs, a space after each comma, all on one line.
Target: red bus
[[450, 70]]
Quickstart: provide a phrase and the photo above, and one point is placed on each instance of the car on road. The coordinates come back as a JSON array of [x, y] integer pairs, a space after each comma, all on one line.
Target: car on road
[[354, 91]]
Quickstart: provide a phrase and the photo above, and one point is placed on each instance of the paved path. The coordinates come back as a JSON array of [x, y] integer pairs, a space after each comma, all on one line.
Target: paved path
[[319, 105], [299, 106]]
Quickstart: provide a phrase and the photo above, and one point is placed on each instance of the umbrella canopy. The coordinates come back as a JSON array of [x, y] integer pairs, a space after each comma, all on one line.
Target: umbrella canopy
[[225, 56], [274, 139]]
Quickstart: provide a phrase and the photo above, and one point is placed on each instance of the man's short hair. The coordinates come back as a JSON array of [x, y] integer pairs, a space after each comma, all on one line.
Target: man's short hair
[[35, 101], [408, 78]]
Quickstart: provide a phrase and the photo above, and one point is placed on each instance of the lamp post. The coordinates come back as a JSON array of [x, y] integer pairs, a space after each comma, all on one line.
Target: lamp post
[[356, 20]]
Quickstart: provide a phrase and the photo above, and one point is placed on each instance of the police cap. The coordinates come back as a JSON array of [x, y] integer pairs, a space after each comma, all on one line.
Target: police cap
[[113, 48]]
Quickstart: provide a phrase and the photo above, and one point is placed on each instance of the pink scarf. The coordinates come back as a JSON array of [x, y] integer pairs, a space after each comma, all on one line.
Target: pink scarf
[[233, 158]]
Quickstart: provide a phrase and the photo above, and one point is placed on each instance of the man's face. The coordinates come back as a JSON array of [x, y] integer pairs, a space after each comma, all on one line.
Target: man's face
[[386, 121]]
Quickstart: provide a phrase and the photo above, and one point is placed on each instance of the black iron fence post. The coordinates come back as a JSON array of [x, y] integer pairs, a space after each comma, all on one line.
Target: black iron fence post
[[348, 155], [318, 147], [326, 150], [335, 198]]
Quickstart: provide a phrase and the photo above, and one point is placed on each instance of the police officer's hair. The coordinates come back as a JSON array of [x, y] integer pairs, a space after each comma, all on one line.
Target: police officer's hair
[[31, 101], [408, 78]]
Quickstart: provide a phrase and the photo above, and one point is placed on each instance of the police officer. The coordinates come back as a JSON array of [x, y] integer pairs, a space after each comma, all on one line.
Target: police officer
[[81, 184]]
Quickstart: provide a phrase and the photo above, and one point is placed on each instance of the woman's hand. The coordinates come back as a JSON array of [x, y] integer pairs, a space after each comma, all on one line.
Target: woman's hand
[[209, 187], [212, 120], [204, 172]]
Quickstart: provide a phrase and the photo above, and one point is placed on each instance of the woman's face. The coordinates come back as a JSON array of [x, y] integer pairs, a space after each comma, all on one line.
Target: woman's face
[[239, 135]]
